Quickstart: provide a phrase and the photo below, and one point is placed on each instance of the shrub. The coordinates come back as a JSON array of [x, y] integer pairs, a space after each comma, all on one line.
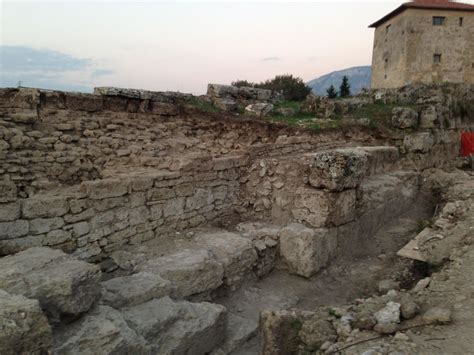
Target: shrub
[[345, 88], [332, 93], [242, 83]]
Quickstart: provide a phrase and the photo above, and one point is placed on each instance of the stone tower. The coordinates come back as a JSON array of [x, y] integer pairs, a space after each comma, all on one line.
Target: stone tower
[[423, 42]]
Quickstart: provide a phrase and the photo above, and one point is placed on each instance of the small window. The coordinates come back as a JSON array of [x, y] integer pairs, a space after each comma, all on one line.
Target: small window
[[438, 20], [385, 77], [436, 58], [387, 29], [461, 20]]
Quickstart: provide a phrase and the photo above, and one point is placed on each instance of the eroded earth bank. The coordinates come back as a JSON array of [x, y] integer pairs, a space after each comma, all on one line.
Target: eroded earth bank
[[136, 222]]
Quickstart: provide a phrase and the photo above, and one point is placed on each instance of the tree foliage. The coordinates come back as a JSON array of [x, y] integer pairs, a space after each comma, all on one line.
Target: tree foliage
[[292, 88], [331, 91], [345, 88]]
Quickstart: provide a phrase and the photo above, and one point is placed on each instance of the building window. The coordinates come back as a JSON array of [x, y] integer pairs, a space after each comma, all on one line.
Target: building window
[[387, 29], [438, 20], [436, 58], [461, 20]]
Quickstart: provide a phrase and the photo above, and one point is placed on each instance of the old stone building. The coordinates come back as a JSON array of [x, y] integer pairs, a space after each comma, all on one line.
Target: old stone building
[[424, 41]]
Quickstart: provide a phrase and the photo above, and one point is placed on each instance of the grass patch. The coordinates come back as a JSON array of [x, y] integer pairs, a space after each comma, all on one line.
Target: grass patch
[[379, 113], [202, 105]]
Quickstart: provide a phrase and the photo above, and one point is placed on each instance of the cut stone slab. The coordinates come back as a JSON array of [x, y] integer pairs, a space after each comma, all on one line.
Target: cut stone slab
[[324, 209], [238, 331], [102, 331], [178, 327], [135, 289], [234, 252], [24, 329], [304, 250], [190, 271], [61, 283], [338, 169]]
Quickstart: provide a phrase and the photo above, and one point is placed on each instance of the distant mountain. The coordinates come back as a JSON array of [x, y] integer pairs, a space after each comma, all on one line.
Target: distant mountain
[[359, 78]]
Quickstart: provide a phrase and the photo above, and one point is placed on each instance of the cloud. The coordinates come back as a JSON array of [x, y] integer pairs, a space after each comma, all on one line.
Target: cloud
[[270, 59], [47, 69], [102, 72]]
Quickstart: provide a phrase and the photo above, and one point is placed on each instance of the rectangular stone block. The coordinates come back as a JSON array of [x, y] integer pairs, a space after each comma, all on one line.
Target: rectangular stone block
[[9, 211], [321, 208], [100, 189], [15, 229], [7, 191], [44, 206], [305, 250], [45, 225]]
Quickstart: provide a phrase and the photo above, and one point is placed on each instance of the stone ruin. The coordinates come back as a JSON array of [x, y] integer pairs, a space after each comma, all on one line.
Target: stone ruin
[[133, 223]]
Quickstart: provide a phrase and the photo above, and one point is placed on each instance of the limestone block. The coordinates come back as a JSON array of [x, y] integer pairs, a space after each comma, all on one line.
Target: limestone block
[[102, 331], [200, 198], [9, 211], [429, 117], [216, 90], [178, 327], [338, 169], [306, 250], [100, 189], [139, 215], [15, 229], [404, 117], [174, 207], [225, 104], [190, 271], [259, 109], [45, 225], [421, 142], [7, 191], [61, 283], [133, 290], [322, 208], [24, 327], [233, 251], [44, 206], [57, 237]]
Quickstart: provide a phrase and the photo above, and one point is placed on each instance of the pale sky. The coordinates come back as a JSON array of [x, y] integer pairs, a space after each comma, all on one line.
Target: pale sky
[[180, 46]]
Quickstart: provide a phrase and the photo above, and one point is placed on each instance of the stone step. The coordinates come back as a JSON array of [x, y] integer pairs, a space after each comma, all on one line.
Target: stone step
[[62, 284], [132, 290], [238, 331], [103, 331], [178, 327]]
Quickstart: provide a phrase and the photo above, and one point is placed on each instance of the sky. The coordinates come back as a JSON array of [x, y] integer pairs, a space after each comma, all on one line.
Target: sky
[[180, 46]]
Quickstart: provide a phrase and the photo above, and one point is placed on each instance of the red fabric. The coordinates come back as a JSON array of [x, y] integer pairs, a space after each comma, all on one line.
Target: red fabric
[[467, 144]]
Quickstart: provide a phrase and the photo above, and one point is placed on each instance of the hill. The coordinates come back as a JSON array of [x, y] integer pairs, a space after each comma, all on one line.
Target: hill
[[359, 77]]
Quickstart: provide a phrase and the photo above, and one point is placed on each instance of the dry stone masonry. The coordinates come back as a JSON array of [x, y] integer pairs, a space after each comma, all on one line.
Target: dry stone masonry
[[130, 218]]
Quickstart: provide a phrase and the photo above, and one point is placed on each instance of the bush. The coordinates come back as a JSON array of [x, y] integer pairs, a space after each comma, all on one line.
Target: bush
[[291, 88], [242, 83]]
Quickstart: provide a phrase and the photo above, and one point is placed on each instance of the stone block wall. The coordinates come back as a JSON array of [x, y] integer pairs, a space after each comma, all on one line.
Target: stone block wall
[[97, 217]]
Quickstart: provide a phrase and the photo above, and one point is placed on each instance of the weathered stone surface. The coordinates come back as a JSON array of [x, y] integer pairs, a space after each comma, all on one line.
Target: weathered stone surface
[[404, 117], [61, 283], [24, 329], [100, 189], [217, 90], [44, 206], [9, 211], [429, 117], [190, 271], [7, 191], [225, 104], [135, 289], [437, 315], [306, 250], [259, 109], [178, 327], [338, 169], [421, 142], [238, 331], [45, 225], [324, 209], [234, 252], [388, 318], [15, 229], [103, 330]]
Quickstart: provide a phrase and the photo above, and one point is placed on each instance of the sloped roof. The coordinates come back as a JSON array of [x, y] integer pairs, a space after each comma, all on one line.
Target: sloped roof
[[426, 4]]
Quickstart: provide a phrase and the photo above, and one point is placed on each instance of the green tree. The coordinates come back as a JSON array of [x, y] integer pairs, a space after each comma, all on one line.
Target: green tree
[[345, 88], [292, 88], [332, 93]]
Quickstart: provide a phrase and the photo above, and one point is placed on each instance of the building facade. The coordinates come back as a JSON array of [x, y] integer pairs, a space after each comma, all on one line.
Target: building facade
[[424, 42]]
